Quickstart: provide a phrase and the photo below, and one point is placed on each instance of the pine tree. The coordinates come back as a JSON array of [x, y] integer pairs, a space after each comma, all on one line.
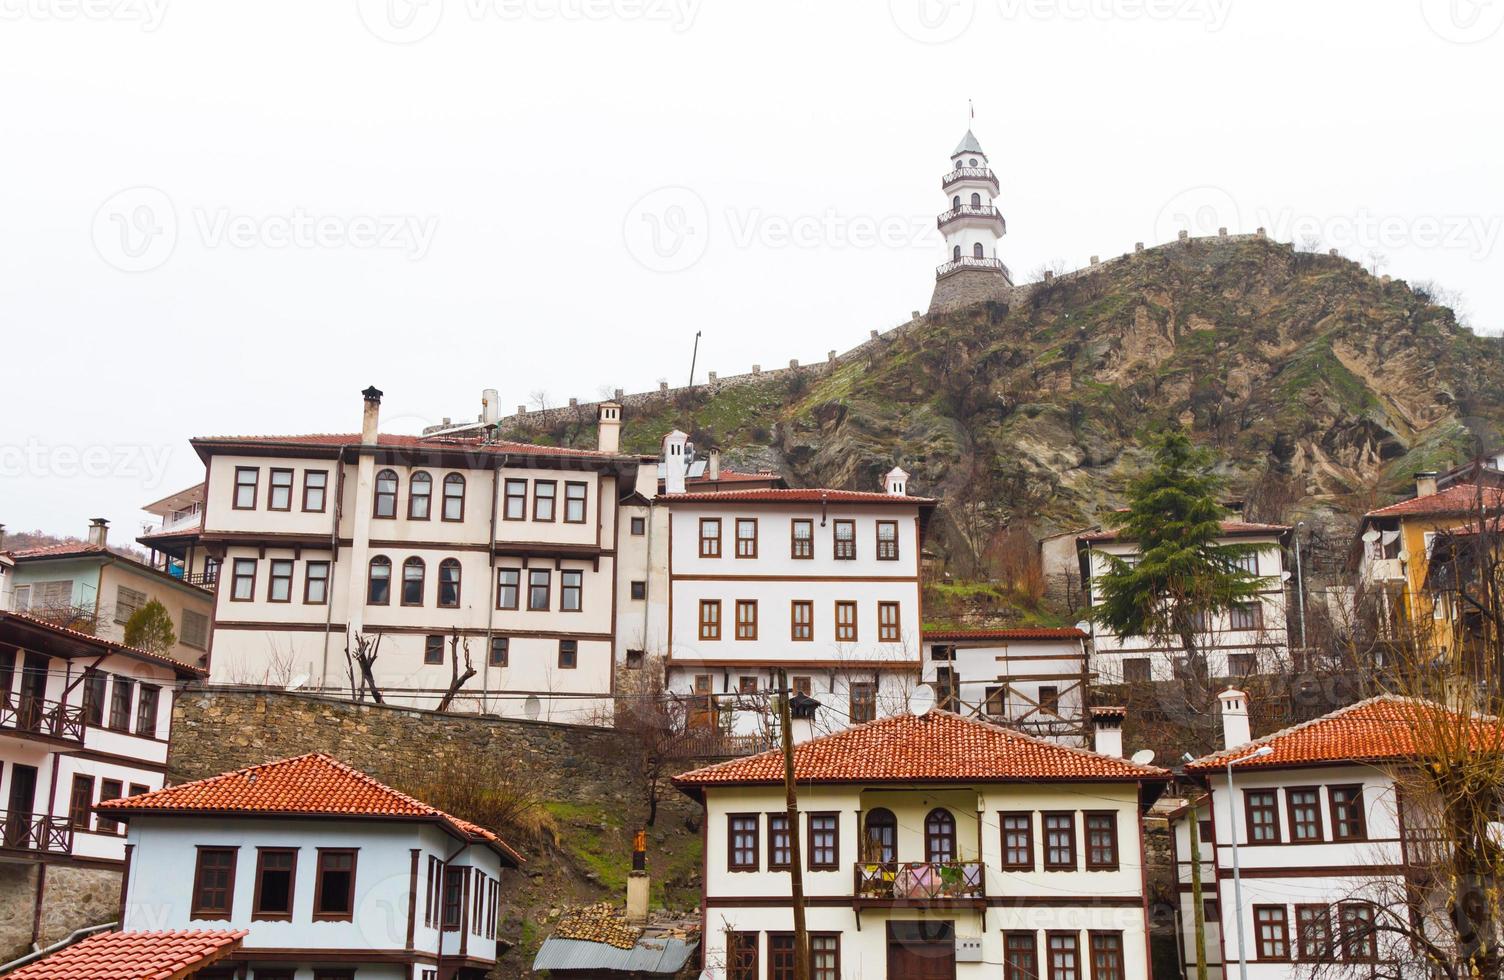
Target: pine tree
[[150, 629]]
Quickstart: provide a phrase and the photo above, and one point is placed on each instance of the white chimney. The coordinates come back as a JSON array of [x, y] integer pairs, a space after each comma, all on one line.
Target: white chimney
[[490, 406], [675, 461], [371, 416], [1235, 730], [896, 483], [1107, 730], [1425, 483], [608, 432], [713, 465], [99, 531]]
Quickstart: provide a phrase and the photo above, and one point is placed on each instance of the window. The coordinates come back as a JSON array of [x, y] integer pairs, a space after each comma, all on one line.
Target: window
[[802, 539], [569, 654], [1262, 816], [1018, 841], [94, 693], [454, 497], [1136, 670], [824, 956], [449, 583], [843, 533], [433, 649], [887, 622], [1304, 806], [1049, 698], [1060, 842], [279, 490], [845, 621], [746, 684], [863, 702], [1064, 955], [742, 841], [802, 620], [109, 789], [880, 837], [379, 582], [710, 537], [746, 619], [956, 252], [412, 582], [781, 954], [276, 872], [246, 478], [1242, 664], [1020, 954], [710, 619], [995, 700], [515, 507], [120, 705], [127, 601], [279, 582], [824, 838], [22, 597], [801, 683], [454, 891], [939, 836], [746, 537], [574, 503], [146, 710], [976, 248], [1245, 616], [780, 847], [1348, 822], [976, 202], [315, 486], [544, 492], [741, 956], [635, 659], [213, 883], [571, 590], [81, 802], [1248, 563], [1270, 932], [1313, 932], [508, 587], [639, 526], [1106, 956], [538, 582], [334, 887], [419, 496], [887, 540], [195, 630], [639, 591], [500, 651], [1102, 841], [385, 505]]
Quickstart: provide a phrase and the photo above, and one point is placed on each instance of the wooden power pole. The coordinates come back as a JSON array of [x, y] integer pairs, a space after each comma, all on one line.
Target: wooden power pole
[[791, 800], [1198, 914]]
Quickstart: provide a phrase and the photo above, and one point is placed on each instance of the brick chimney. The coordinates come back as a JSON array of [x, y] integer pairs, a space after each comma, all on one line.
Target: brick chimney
[[1425, 483], [608, 430], [99, 531], [371, 416], [1107, 730], [1235, 730]]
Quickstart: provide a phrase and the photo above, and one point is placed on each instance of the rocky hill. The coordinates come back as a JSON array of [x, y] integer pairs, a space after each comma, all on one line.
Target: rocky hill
[[1322, 387]]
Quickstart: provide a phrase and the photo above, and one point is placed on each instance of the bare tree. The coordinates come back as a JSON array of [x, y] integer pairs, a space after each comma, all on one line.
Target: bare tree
[[457, 645], [362, 659], [654, 720]]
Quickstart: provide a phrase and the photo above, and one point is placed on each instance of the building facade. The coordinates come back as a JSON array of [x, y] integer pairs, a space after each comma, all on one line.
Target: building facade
[[971, 225], [1032, 680]]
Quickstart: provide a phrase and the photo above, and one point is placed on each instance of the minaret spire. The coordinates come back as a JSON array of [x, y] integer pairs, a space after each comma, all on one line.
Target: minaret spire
[[971, 226]]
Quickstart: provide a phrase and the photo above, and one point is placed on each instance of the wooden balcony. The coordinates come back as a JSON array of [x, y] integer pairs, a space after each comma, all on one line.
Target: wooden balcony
[[932, 884], [35, 833], [51, 720]]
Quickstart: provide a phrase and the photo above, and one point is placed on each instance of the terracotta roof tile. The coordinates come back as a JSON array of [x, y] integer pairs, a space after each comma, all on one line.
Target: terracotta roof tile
[[1228, 527], [67, 549], [185, 670], [312, 784], [1378, 729], [1459, 498], [937, 746], [135, 956], [331, 440], [782, 496], [1027, 633]]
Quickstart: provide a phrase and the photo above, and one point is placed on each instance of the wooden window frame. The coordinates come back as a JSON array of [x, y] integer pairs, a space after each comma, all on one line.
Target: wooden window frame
[[890, 632], [835, 968], [119, 719], [736, 528], [741, 955], [452, 480], [746, 629], [503, 644], [381, 561], [1116, 935], [548, 590], [377, 494], [710, 628], [1044, 827], [235, 576], [318, 885], [878, 541], [851, 627], [732, 864], [81, 817], [1028, 839], [271, 487], [778, 824], [272, 578], [508, 496], [940, 825], [516, 589], [1347, 941], [553, 501], [810, 864], [148, 708], [459, 578], [450, 874], [1111, 816], [1281, 935], [1255, 612], [638, 590], [1293, 823], [710, 546], [638, 526], [96, 693], [565, 588], [257, 914], [323, 492], [868, 700], [794, 539], [1050, 936], [412, 481], [1272, 808], [429, 646], [794, 624], [572, 660], [237, 486], [413, 561], [1323, 914], [309, 578], [584, 501], [102, 823], [836, 539], [199, 912], [1029, 940], [1360, 814]]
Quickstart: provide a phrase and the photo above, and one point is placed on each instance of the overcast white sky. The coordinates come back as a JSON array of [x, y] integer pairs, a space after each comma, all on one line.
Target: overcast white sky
[[231, 217]]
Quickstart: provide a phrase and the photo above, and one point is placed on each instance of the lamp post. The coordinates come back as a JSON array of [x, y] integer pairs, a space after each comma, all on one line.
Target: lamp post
[[1237, 876], [1300, 588]]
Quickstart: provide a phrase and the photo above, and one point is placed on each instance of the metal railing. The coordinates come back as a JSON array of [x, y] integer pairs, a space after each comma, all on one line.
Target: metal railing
[[972, 262], [920, 881], [714, 745], [971, 211], [968, 173], [35, 832], [42, 717]]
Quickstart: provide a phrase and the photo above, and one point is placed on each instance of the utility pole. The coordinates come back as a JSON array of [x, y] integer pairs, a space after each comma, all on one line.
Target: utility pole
[[1300, 588], [693, 358], [796, 862], [1198, 904]]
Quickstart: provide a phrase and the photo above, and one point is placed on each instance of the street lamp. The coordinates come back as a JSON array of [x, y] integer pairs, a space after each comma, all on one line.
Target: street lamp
[[1300, 588], [1237, 876]]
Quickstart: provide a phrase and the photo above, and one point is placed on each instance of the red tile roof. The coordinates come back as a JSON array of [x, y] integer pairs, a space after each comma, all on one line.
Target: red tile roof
[[1230, 528], [108, 646], [316, 784], [1035, 633], [781, 496], [333, 440], [66, 549], [937, 746], [1378, 729], [1457, 499], [135, 956]]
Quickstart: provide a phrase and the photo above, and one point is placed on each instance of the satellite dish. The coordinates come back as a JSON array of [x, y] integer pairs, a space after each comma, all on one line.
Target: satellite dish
[[921, 699], [1371, 535], [532, 707], [1285, 576], [297, 682], [1084, 626], [1143, 757]]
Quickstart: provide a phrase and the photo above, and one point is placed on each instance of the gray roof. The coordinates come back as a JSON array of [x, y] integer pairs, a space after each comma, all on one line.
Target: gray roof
[[968, 144], [652, 954]]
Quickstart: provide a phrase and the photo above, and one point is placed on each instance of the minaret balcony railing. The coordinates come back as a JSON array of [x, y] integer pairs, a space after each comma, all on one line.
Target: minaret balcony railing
[[969, 173], [972, 211], [972, 262]]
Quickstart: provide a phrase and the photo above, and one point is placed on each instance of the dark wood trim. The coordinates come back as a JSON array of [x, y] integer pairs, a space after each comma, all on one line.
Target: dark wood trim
[[1362, 814], [255, 486], [464, 486], [256, 914], [271, 488], [1044, 839], [376, 494], [793, 549], [809, 840], [894, 579], [412, 896], [1117, 934], [412, 478], [843, 665], [794, 636], [1297, 944], [711, 630], [459, 582], [773, 865], [271, 578], [1028, 816], [855, 622], [1086, 818], [255, 567], [736, 537], [390, 574], [422, 566], [325, 489], [125, 885], [516, 605], [1312, 871], [585, 502], [731, 865], [318, 885], [741, 604], [1248, 808], [548, 590], [835, 540], [579, 589], [878, 540], [885, 634], [553, 515], [1290, 821], [328, 574], [198, 913], [1284, 932], [717, 549], [506, 497]]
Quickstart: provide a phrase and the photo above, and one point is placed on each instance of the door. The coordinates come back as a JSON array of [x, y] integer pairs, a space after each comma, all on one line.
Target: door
[[33, 692], [702, 707], [922, 950], [19, 804]]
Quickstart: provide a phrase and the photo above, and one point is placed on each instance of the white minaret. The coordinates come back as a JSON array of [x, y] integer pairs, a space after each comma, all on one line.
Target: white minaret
[[971, 225]]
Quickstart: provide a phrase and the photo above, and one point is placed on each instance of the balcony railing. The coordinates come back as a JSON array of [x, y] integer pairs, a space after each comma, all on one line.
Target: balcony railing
[[971, 211], [1386, 570], [41, 717], [968, 173], [972, 262], [920, 881], [184, 522], [33, 832]]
